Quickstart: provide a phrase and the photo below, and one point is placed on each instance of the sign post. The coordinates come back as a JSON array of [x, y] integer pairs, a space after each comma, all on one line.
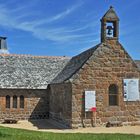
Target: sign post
[[93, 109]]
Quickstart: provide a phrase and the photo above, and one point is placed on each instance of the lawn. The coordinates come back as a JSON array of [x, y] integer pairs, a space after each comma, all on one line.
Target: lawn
[[18, 134]]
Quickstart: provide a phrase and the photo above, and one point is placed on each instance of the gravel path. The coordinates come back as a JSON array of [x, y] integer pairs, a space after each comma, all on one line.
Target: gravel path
[[49, 126]]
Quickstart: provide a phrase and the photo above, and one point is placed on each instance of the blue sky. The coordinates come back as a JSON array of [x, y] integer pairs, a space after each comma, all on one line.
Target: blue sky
[[65, 27]]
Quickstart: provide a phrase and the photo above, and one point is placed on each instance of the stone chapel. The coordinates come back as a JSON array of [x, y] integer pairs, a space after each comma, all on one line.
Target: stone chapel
[[61, 88]]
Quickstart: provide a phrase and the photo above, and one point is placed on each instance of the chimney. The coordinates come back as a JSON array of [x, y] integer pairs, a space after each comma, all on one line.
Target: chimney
[[3, 46]]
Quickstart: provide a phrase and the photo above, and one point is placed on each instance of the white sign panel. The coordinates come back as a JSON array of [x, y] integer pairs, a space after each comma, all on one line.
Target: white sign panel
[[131, 89], [90, 100]]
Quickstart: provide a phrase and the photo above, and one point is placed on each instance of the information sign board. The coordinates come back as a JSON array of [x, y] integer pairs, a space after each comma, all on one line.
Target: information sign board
[[90, 101], [131, 89]]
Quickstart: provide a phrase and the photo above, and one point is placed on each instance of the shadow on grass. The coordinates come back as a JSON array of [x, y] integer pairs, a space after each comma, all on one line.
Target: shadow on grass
[[3, 135]]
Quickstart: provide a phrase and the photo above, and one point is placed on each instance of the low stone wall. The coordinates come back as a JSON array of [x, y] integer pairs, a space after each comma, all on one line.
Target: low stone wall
[[36, 104]]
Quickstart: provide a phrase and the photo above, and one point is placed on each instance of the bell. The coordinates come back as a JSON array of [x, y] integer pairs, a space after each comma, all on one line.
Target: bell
[[109, 30]]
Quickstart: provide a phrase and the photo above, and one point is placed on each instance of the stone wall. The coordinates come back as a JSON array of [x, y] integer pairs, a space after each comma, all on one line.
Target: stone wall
[[110, 64], [60, 103], [36, 105]]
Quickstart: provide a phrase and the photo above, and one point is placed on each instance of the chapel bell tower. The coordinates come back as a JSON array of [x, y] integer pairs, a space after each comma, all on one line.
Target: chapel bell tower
[[110, 26]]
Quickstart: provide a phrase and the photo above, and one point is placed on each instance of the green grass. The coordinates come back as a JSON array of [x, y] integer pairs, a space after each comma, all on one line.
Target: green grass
[[18, 134]]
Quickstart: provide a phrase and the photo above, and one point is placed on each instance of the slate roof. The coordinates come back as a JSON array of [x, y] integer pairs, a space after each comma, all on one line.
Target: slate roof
[[29, 72], [137, 63], [74, 65]]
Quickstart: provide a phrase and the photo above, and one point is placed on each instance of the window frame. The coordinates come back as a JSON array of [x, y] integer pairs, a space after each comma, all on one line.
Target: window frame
[[22, 104], [113, 92], [15, 102]]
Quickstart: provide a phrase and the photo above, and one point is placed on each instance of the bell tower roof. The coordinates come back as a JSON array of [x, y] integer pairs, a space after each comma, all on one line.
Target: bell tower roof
[[110, 14]]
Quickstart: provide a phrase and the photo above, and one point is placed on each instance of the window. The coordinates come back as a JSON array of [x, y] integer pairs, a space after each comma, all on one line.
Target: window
[[14, 101], [7, 101], [21, 101], [113, 95]]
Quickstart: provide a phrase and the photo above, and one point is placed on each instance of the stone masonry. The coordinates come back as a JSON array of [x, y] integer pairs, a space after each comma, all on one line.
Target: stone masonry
[[110, 64], [36, 104], [60, 103]]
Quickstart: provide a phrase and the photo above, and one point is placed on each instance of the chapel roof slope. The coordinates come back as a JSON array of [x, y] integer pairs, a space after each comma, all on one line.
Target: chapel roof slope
[[74, 65], [29, 72]]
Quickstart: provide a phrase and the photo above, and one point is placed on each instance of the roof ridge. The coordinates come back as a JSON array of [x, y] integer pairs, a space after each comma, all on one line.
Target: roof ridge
[[35, 56]]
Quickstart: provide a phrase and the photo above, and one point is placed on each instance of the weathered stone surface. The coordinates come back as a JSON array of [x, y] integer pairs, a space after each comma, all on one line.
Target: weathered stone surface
[[112, 68], [60, 103], [138, 63], [36, 104]]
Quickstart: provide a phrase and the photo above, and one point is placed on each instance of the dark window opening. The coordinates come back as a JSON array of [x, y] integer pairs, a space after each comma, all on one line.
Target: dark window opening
[[21, 101], [113, 95], [14, 101], [7, 101]]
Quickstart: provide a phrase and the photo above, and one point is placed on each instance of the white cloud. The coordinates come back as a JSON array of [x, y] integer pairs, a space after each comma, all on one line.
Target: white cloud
[[65, 13], [57, 16], [61, 34]]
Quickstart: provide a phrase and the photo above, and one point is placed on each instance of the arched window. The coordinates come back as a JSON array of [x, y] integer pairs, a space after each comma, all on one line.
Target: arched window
[[21, 101], [14, 101], [113, 95], [7, 101]]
